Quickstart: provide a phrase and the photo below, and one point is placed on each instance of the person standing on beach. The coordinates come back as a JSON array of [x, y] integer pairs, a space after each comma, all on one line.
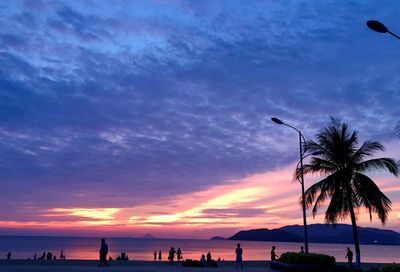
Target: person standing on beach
[[9, 255], [171, 255], [208, 258], [239, 257], [273, 254], [159, 256], [103, 253], [349, 257], [301, 250], [203, 260], [179, 254], [155, 255]]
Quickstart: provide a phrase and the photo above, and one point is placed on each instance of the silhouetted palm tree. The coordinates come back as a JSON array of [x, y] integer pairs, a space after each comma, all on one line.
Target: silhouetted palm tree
[[344, 166], [397, 129]]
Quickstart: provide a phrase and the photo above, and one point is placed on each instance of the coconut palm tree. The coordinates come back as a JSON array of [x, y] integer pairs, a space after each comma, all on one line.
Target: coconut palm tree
[[343, 166]]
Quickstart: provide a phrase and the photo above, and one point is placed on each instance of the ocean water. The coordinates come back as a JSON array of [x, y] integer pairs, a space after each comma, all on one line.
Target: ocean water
[[23, 247]]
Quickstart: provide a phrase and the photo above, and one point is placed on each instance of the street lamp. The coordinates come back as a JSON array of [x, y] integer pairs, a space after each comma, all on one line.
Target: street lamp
[[302, 141], [379, 27]]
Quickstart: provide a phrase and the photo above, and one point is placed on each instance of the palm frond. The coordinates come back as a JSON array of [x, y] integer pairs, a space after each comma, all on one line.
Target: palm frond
[[379, 164], [371, 197], [324, 187], [367, 149], [337, 208]]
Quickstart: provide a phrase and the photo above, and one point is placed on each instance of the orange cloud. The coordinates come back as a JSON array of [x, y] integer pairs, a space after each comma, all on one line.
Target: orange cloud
[[264, 200]]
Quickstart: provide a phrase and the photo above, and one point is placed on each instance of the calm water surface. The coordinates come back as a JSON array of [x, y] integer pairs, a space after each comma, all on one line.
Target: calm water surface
[[143, 249]]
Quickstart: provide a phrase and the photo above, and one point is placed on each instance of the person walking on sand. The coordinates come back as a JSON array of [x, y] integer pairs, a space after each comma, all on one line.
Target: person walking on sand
[[239, 257], [159, 256], [301, 250], [273, 254], [171, 255], [349, 257], [103, 253], [155, 255]]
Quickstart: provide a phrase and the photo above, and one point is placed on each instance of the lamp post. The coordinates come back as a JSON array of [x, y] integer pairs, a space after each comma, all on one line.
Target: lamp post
[[379, 27], [303, 202]]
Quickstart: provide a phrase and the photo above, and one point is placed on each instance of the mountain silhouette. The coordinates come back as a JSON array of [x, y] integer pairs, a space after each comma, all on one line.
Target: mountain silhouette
[[266, 235], [321, 233]]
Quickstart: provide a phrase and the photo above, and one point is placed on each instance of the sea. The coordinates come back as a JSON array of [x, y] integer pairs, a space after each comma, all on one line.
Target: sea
[[83, 248]]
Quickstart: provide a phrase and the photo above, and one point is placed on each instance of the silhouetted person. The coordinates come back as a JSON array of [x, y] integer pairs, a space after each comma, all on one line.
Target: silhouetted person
[[273, 254], [208, 259], [9, 255], [49, 256], [239, 257], [159, 256], [35, 256], [124, 257], [62, 256], [179, 254], [349, 256], [43, 256], [301, 250], [54, 257], [155, 255], [203, 260], [171, 255], [103, 253]]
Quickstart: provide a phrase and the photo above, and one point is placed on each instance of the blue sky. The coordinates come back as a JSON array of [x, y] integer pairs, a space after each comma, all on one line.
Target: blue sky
[[120, 104]]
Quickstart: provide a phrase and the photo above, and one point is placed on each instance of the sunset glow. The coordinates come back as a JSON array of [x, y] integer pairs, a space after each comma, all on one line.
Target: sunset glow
[[259, 201], [127, 118]]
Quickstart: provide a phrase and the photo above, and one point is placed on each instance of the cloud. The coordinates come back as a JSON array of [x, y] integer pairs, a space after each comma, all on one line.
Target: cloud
[[121, 106]]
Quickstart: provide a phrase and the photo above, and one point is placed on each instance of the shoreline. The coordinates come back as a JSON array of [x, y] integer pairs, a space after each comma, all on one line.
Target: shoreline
[[139, 266]]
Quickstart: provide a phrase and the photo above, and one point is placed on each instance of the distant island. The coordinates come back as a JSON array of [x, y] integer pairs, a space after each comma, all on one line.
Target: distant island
[[319, 233], [218, 238]]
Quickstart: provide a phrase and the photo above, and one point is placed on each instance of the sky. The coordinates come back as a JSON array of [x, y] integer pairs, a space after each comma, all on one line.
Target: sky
[[122, 118]]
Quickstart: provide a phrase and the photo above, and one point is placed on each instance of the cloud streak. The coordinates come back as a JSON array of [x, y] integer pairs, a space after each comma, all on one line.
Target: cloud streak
[[122, 106]]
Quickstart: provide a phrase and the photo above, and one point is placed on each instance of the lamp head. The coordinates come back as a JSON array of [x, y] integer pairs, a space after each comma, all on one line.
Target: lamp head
[[276, 120], [377, 26]]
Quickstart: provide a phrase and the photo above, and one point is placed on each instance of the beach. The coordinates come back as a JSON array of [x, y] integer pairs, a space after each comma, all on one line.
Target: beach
[[86, 248], [121, 266], [136, 266]]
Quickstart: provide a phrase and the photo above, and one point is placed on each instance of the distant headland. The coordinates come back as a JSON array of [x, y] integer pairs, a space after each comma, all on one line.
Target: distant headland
[[319, 233]]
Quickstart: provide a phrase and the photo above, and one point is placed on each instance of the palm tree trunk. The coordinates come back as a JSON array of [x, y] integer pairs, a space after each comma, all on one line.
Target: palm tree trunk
[[355, 236]]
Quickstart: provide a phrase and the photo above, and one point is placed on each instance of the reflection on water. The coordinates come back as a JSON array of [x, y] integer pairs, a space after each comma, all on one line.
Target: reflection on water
[[143, 249]]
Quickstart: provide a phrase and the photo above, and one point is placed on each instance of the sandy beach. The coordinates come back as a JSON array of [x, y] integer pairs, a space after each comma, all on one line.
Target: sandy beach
[[137, 266]]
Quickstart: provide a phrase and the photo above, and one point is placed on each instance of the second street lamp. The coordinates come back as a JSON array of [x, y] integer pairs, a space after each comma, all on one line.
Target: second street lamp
[[303, 202], [379, 27]]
